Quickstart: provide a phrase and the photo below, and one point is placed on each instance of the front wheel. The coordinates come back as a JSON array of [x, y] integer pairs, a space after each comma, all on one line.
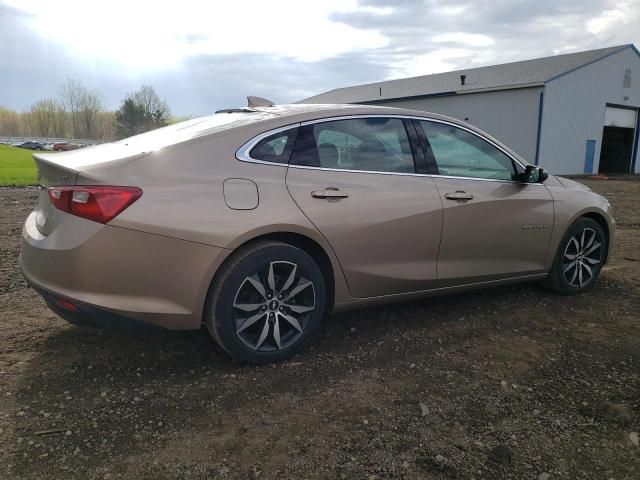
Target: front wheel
[[266, 303], [579, 258]]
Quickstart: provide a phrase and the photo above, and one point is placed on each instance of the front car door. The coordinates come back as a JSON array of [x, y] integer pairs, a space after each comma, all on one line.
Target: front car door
[[355, 180], [494, 226]]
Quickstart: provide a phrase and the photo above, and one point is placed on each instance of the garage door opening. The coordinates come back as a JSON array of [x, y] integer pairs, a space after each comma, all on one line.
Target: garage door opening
[[617, 147], [618, 138]]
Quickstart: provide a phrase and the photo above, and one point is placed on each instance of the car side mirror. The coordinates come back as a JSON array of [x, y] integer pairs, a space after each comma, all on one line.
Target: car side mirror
[[533, 174]]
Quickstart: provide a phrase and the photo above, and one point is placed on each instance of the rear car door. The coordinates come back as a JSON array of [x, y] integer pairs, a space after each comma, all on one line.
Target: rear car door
[[355, 179], [494, 225]]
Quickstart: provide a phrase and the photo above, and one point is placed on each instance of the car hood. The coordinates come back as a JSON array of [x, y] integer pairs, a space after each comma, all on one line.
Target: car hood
[[573, 185]]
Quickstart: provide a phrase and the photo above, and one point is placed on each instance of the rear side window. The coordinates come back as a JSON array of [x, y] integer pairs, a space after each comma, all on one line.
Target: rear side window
[[275, 148], [367, 144]]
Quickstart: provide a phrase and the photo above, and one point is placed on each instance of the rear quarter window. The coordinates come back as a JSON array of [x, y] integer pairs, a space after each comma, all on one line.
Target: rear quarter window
[[275, 148]]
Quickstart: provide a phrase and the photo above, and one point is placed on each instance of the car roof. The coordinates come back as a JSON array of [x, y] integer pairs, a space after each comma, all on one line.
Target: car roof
[[265, 118], [255, 120], [314, 111]]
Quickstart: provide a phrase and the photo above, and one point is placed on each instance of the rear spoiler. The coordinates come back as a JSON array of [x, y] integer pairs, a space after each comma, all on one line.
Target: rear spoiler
[[63, 168], [53, 172]]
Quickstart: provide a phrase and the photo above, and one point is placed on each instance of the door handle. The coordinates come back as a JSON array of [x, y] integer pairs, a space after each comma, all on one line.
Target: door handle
[[458, 195], [329, 193]]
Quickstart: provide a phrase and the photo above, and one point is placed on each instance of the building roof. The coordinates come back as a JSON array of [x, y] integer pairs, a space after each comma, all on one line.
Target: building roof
[[521, 74]]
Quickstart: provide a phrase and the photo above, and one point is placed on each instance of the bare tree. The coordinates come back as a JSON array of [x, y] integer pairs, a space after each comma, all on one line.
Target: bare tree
[[105, 126], [45, 118], [61, 123], [79, 113], [10, 122], [155, 108], [71, 94], [91, 106], [82, 106]]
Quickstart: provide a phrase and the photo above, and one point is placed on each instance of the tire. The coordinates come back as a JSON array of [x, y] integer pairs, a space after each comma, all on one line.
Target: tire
[[585, 247], [256, 323]]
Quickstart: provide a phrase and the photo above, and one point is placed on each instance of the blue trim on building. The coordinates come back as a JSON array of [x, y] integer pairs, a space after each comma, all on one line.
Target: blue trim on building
[[540, 106], [636, 144], [589, 63], [589, 154]]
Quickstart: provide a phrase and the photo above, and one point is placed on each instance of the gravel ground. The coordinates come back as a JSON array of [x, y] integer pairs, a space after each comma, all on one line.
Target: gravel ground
[[510, 382]]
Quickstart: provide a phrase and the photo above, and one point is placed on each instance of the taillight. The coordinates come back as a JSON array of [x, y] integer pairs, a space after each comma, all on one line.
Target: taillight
[[100, 204]]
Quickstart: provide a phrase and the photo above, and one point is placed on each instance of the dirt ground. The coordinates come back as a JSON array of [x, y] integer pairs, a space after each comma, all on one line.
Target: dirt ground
[[510, 382]]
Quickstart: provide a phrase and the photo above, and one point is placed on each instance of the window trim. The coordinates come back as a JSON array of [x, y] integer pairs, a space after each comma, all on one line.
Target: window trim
[[242, 154]]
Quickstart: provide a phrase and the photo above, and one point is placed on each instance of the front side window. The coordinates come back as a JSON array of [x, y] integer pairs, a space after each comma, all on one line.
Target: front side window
[[275, 148], [459, 153], [368, 144]]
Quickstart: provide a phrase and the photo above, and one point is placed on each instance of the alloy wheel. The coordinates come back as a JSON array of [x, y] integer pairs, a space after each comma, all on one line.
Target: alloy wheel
[[271, 307], [582, 255]]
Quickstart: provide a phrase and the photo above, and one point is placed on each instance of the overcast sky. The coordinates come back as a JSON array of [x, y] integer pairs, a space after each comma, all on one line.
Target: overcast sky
[[205, 55]]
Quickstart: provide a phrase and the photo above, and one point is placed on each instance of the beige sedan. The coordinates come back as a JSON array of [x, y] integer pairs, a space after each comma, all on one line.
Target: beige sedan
[[259, 222]]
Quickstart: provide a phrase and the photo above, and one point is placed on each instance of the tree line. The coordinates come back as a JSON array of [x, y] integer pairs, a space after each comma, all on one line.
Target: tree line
[[79, 112]]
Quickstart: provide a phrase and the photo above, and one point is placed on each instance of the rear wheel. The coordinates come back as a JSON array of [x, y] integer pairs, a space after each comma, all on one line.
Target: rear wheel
[[579, 258], [266, 303]]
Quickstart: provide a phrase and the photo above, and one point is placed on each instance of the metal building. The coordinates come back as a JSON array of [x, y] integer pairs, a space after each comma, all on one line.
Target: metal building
[[573, 114]]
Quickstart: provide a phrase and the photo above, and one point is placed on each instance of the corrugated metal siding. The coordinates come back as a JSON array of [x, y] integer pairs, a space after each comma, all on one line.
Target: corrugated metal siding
[[511, 116], [574, 108]]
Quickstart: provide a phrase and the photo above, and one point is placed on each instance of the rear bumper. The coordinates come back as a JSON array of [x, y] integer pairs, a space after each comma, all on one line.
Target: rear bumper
[[87, 315], [113, 273]]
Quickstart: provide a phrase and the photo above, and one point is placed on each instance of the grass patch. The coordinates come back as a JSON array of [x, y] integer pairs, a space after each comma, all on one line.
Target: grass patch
[[17, 167]]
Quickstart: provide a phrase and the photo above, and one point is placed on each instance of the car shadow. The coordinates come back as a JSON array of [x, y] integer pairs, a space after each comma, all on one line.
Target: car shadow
[[117, 353], [126, 388]]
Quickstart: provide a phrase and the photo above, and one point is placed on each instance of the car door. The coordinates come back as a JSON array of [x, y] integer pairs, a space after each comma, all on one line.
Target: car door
[[355, 180], [494, 225]]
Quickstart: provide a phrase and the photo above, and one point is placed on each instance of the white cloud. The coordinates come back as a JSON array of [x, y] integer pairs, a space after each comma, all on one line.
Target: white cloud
[[608, 19], [204, 55], [452, 9], [158, 35], [466, 39], [442, 60]]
